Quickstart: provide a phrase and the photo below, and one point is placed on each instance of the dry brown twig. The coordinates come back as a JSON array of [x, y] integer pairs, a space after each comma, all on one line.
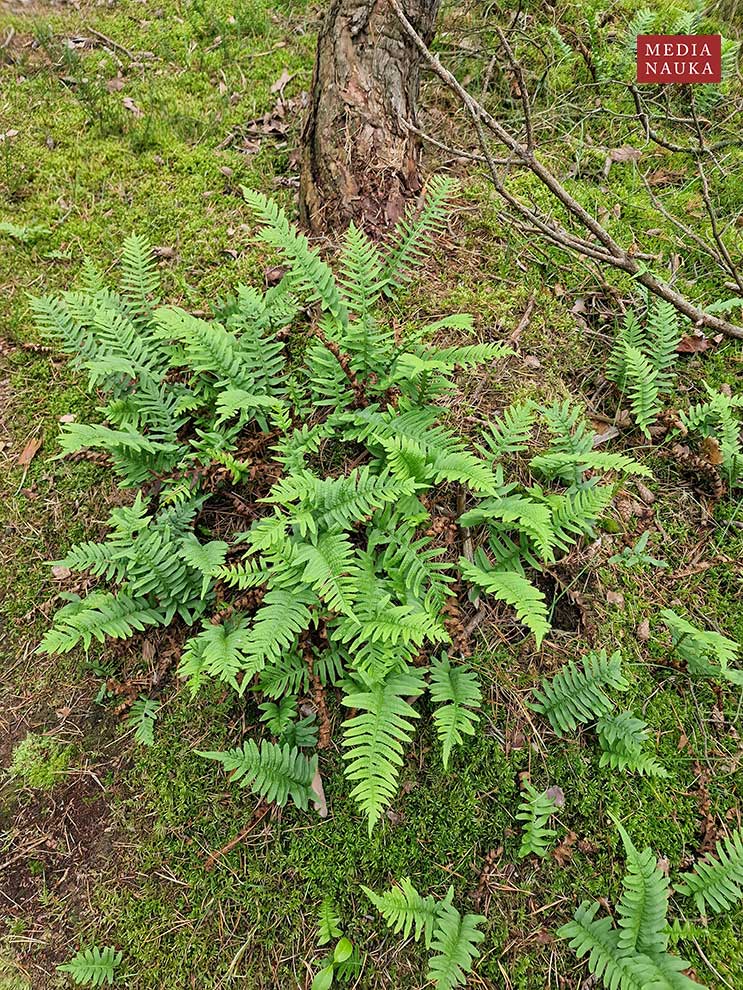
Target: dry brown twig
[[603, 247]]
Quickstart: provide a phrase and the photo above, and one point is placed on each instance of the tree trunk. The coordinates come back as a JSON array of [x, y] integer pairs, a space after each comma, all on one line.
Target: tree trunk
[[358, 160]]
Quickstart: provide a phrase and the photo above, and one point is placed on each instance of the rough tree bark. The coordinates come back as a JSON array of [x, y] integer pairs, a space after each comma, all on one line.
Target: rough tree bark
[[358, 159]]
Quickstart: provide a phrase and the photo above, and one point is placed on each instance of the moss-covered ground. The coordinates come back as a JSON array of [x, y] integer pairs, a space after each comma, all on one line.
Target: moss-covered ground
[[130, 116]]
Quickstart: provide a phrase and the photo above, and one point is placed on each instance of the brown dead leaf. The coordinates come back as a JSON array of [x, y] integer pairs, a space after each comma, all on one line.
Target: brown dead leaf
[[321, 805], [557, 794], [625, 154], [693, 344], [683, 741], [710, 449], [60, 573], [563, 852], [615, 597], [129, 104], [29, 452], [643, 631], [280, 85], [115, 85], [67, 418], [531, 361], [161, 251]]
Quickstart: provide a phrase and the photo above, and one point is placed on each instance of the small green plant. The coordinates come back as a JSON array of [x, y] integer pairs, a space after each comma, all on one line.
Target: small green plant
[[717, 421], [39, 761], [642, 359], [344, 962], [452, 937], [717, 883], [24, 234], [632, 956], [535, 810], [142, 717], [623, 739], [456, 690], [577, 695], [93, 967], [707, 653], [636, 556]]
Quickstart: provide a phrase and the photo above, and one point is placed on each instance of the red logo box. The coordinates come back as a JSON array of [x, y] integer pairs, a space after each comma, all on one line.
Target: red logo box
[[679, 58]]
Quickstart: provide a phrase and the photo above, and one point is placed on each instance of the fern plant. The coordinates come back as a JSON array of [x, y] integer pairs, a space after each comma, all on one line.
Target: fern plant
[[716, 884], [325, 463], [633, 956], [577, 695], [623, 739], [93, 967], [451, 936], [707, 653], [717, 421], [642, 360], [535, 810]]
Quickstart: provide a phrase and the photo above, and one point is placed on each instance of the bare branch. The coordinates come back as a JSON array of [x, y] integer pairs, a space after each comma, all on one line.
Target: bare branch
[[608, 251]]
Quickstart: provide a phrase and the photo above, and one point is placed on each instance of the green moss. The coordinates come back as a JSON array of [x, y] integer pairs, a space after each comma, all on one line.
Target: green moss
[[39, 761]]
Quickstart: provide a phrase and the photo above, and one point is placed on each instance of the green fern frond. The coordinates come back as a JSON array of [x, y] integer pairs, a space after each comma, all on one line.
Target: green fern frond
[[707, 653], [406, 911], [361, 267], [600, 942], [142, 717], [664, 334], [414, 234], [566, 465], [99, 615], [643, 905], [519, 512], [623, 738], [577, 694], [328, 923], [457, 691], [275, 773], [218, 651], [575, 514], [312, 278], [454, 945], [535, 810], [510, 433], [206, 558], [330, 569], [507, 586], [93, 967], [630, 334], [140, 280], [374, 740], [716, 884]]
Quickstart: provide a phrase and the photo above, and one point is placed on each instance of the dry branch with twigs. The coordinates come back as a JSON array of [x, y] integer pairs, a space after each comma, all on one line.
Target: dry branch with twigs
[[599, 245]]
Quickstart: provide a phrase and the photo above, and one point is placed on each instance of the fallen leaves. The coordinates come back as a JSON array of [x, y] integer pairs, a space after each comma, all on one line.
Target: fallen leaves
[[129, 104], [29, 452]]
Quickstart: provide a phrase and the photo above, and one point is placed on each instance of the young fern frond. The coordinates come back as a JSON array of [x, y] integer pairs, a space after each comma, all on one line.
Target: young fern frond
[[571, 467], [600, 942], [415, 233], [707, 653], [328, 923], [140, 280], [93, 967], [457, 691], [716, 884], [373, 740], [535, 810], [454, 945], [275, 773], [577, 695], [142, 717], [623, 739], [510, 433], [507, 586], [643, 905], [406, 911]]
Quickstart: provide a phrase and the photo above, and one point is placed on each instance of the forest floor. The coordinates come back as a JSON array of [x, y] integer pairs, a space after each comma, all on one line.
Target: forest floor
[[129, 116]]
